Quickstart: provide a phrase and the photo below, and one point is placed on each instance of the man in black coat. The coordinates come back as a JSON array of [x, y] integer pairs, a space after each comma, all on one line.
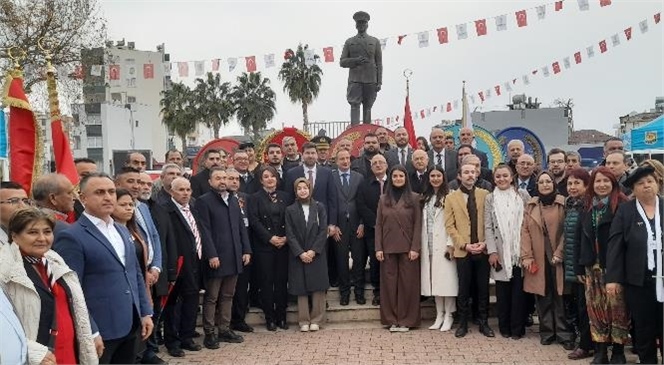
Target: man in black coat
[[226, 242], [180, 321], [525, 174], [419, 178], [248, 182], [211, 158], [362, 164], [441, 156], [368, 196], [467, 136]]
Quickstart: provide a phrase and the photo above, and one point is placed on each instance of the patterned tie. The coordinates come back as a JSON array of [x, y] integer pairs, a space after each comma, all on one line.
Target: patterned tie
[[403, 156], [345, 176], [43, 269], [382, 185], [194, 229], [440, 160], [523, 185], [311, 178]]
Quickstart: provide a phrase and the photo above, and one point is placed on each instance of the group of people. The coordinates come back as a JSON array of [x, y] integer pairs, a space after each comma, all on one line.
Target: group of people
[[108, 273]]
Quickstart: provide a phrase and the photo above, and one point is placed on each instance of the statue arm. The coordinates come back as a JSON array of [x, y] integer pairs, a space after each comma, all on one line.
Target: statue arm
[[379, 63], [345, 60]]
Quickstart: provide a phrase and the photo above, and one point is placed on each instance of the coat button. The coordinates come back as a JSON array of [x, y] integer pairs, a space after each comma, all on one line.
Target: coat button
[[127, 292]]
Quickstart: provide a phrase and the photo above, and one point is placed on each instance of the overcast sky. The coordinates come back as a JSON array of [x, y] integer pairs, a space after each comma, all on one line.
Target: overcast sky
[[625, 79]]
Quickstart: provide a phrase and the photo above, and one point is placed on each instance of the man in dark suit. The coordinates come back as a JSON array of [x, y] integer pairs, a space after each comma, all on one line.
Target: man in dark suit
[[84, 167], [102, 254], [467, 136], [418, 177], [226, 251], [440, 156], [199, 183], [179, 334], [350, 231], [367, 205], [402, 153], [371, 148], [168, 172], [275, 159], [248, 182], [291, 156], [525, 174], [323, 150]]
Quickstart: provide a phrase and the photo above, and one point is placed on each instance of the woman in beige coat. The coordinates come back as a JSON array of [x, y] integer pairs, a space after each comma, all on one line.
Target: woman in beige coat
[[31, 232], [542, 244]]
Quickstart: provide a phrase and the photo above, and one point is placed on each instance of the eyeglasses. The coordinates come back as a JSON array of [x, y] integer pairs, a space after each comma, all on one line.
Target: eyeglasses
[[16, 201]]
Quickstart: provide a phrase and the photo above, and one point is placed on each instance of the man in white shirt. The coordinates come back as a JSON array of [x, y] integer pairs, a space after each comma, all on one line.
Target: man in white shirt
[[525, 168], [401, 155], [440, 156]]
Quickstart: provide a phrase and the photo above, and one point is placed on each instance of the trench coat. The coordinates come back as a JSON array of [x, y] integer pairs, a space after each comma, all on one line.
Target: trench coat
[[439, 275]]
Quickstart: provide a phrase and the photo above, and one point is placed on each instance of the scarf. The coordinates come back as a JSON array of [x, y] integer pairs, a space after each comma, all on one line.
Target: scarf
[[508, 213], [654, 244], [548, 199], [471, 205]]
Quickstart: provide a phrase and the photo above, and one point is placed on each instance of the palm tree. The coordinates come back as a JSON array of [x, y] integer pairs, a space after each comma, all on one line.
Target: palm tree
[[255, 102], [301, 82], [178, 111], [214, 105]]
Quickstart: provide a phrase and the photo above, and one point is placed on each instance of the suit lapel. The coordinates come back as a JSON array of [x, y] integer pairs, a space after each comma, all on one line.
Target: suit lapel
[[36, 278], [96, 233], [313, 215]]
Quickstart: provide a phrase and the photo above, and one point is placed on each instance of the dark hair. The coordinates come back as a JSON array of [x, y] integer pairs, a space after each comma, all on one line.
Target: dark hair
[[554, 151], [11, 185], [429, 192], [611, 139], [86, 178], [126, 170], [119, 193], [84, 160], [581, 174], [308, 146], [21, 218], [131, 223], [390, 194], [425, 143], [370, 134], [273, 145], [616, 196], [472, 150], [172, 151], [553, 179], [269, 168], [620, 152], [207, 152]]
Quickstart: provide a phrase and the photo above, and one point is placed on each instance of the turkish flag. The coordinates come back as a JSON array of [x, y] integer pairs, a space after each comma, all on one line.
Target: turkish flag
[[559, 5], [556, 67], [148, 71], [602, 46], [658, 18], [250, 62], [449, 107], [114, 72], [604, 2], [628, 33], [422, 114], [400, 38], [215, 64], [442, 35], [521, 18], [328, 53], [577, 57], [481, 94], [497, 88], [408, 124], [480, 27]]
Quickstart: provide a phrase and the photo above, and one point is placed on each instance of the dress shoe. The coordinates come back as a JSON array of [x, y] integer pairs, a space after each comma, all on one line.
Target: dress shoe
[[197, 334], [191, 346], [462, 331], [505, 334], [210, 341], [314, 327], [601, 356], [568, 345], [547, 341], [282, 324], [152, 360], [579, 354], [242, 327], [176, 352], [344, 300], [517, 337], [360, 300], [530, 321], [486, 330], [618, 354], [394, 328], [271, 326], [229, 336], [375, 301]]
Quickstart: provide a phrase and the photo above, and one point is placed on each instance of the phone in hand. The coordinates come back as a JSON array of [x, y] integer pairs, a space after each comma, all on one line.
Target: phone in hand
[[448, 256], [533, 268], [498, 267]]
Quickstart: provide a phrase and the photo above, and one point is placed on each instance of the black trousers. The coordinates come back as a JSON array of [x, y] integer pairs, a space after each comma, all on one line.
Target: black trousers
[[349, 244], [511, 302], [332, 270], [180, 316], [273, 282], [151, 346], [123, 350], [241, 297], [473, 269], [551, 310], [366, 248], [583, 324], [647, 316]]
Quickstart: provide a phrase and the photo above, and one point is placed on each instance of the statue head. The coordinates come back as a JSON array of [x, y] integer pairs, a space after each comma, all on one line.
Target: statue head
[[361, 21]]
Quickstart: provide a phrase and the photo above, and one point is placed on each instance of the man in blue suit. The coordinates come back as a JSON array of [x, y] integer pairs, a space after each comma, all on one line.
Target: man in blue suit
[[103, 256]]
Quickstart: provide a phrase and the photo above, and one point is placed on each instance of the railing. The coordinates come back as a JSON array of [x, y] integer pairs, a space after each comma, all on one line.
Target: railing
[[332, 129]]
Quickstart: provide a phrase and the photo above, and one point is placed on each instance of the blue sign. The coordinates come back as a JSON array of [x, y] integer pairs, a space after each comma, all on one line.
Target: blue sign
[[486, 143], [3, 135], [533, 145]]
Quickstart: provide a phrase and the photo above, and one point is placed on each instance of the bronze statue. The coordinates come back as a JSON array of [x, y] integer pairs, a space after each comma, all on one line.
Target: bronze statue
[[362, 55]]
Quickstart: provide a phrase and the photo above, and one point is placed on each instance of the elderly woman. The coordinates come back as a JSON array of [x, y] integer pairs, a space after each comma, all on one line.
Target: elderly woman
[[503, 212], [634, 260], [659, 172], [46, 293], [542, 245], [306, 229], [609, 320]]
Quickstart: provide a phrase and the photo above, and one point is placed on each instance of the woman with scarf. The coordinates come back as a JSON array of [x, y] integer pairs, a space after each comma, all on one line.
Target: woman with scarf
[[577, 183], [542, 245], [398, 243], [46, 294], [503, 211], [634, 261], [439, 273], [609, 320]]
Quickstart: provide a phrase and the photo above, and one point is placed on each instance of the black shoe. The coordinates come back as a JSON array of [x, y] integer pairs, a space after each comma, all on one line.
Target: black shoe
[[152, 360], [191, 346], [282, 324], [618, 354], [242, 327], [359, 299], [344, 300], [476, 321], [601, 356], [229, 336], [569, 345], [176, 352], [197, 334], [547, 341], [517, 337], [211, 342], [375, 301], [271, 326], [486, 330], [462, 331], [530, 321], [505, 334], [159, 338]]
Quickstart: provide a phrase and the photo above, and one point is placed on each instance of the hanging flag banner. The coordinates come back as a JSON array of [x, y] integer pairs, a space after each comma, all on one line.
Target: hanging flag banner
[[442, 35], [615, 40], [328, 53], [423, 39], [541, 12], [199, 68], [555, 67], [309, 57], [628, 33], [95, 70], [114, 72], [501, 22], [521, 18], [250, 63], [566, 63], [462, 31], [583, 5], [215, 65], [183, 69], [480, 27], [269, 60], [232, 63], [148, 71]]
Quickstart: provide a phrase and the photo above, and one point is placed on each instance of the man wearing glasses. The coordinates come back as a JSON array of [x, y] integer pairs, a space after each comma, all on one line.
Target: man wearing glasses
[[12, 198], [556, 162]]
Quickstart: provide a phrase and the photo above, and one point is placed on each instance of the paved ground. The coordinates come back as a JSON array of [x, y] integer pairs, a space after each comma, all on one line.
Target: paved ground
[[370, 343]]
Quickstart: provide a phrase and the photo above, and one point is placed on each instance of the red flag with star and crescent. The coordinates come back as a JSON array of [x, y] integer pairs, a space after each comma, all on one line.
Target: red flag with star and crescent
[[64, 159], [408, 124]]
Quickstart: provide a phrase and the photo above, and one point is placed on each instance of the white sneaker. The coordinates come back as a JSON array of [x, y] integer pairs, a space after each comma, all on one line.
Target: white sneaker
[[314, 327], [447, 323], [403, 329], [304, 328], [394, 328]]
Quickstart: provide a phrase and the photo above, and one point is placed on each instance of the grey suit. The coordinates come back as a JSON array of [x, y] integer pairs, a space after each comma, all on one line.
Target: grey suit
[[394, 158], [348, 220], [450, 163]]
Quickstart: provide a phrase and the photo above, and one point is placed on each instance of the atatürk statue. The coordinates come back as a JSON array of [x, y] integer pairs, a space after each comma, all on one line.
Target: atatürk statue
[[362, 55]]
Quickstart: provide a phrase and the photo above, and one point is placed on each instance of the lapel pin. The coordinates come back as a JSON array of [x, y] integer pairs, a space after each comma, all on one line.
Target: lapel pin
[[639, 224]]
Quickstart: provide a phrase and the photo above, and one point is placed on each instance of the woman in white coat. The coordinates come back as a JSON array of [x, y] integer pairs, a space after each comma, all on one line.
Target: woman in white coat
[[439, 273], [503, 215]]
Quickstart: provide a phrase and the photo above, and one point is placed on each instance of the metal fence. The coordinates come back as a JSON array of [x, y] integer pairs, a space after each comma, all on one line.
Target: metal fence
[[332, 129]]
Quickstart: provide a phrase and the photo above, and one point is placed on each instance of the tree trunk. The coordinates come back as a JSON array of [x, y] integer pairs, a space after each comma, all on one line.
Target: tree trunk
[[217, 127], [305, 117], [184, 144]]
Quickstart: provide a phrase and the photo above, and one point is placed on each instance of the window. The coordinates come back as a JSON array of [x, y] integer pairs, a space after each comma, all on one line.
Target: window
[[95, 142], [77, 143]]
